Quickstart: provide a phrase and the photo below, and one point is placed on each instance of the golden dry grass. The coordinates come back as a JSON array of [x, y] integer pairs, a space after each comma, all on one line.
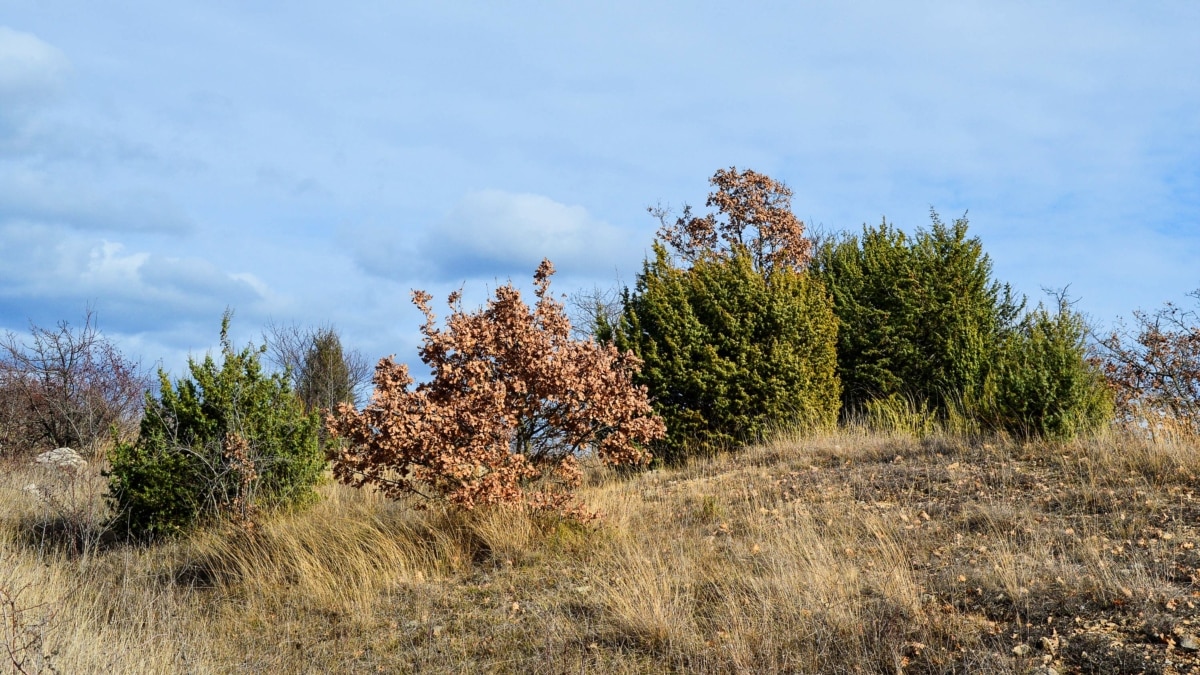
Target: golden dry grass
[[850, 553]]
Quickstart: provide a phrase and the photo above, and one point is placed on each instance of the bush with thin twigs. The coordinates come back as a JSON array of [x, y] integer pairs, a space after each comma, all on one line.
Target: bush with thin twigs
[[66, 387], [1154, 370], [66, 488], [23, 630]]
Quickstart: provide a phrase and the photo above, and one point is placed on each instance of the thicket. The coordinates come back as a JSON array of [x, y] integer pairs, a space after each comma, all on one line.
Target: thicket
[[923, 326], [221, 444], [66, 387], [512, 401], [734, 334], [919, 317]]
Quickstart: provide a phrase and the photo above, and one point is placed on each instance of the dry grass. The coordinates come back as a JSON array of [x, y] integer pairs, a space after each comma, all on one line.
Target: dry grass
[[849, 553]]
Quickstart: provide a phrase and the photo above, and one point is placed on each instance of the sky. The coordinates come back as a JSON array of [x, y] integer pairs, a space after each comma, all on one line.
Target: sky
[[312, 163]]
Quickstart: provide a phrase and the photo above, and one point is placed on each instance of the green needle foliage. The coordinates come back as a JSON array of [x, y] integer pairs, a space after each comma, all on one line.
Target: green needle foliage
[[1043, 384], [222, 443], [925, 335], [729, 352], [740, 339], [919, 318]]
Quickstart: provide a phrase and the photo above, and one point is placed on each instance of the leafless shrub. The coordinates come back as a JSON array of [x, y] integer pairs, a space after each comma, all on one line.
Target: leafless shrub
[[323, 373], [66, 387], [592, 308], [1154, 369], [66, 489], [23, 631]]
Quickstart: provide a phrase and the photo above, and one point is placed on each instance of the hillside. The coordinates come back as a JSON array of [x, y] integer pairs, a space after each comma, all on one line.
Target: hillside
[[855, 552]]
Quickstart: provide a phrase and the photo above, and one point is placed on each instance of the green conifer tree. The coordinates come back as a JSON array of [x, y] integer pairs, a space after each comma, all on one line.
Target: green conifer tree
[[740, 338], [918, 317]]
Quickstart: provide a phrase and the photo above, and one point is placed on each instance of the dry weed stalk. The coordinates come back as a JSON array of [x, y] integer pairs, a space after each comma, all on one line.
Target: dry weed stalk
[[24, 627]]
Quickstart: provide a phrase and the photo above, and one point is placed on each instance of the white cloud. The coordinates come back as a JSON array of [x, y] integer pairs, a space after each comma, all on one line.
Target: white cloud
[[52, 273], [493, 233]]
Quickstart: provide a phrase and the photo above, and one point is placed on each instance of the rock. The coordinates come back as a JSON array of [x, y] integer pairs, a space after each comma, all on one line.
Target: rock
[[64, 459], [1043, 670], [1188, 643], [1020, 650]]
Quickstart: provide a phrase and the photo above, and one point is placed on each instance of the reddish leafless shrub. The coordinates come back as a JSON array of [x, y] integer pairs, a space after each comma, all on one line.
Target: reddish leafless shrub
[[66, 387], [747, 199], [1155, 371], [512, 402]]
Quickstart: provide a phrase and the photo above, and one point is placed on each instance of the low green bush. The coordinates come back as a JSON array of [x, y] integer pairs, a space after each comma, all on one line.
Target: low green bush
[[1042, 383], [220, 444]]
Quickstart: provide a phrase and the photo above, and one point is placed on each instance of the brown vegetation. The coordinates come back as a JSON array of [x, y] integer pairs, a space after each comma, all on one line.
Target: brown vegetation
[[755, 212], [66, 387], [512, 402], [854, 552], [1155, 370]]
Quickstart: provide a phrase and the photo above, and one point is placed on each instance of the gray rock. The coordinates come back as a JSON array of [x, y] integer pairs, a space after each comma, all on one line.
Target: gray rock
[[1188, 643]]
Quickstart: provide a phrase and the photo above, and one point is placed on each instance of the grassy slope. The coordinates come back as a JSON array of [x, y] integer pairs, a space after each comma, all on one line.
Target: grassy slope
[[847, 553]]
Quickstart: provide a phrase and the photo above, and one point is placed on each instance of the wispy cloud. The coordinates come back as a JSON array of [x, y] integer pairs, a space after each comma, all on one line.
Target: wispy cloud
[[53, 272], [493, 233]]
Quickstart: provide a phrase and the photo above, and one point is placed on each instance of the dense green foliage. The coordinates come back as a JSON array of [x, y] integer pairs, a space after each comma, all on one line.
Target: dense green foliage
[[918, 317], [1042, 384], [728, 349], [219, 444], [926, 334]]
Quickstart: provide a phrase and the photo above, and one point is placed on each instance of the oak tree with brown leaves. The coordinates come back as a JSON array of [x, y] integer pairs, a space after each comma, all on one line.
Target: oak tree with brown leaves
[[754, 212], [512, 402]]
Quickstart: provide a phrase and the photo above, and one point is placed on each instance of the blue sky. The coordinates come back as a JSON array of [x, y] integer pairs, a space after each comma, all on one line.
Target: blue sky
[[301, 162]]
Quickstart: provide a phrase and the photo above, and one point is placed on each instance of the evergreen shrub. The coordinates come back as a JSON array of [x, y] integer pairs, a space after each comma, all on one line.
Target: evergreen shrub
[[1043, 383], [919, 318], [736, 338], [927, 339], [220, 444]]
